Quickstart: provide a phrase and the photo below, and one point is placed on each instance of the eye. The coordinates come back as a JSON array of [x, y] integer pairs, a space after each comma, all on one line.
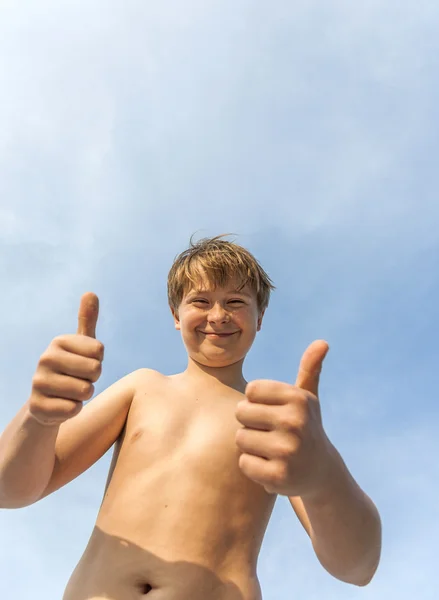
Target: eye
[[236, 301], [200, 301]]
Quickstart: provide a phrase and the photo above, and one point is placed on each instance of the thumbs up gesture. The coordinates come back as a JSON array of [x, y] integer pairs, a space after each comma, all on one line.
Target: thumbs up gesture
[[68, 368], [284, 446]]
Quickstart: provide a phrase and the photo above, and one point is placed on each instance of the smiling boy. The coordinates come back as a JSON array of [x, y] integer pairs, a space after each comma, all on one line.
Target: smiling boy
[[199, 456]]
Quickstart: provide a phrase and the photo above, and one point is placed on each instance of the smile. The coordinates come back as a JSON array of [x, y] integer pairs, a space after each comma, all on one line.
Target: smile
[[218, 335]]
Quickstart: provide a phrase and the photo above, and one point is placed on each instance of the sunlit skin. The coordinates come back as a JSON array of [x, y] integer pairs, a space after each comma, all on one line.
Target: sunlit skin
[[218, 327], [186, 506]]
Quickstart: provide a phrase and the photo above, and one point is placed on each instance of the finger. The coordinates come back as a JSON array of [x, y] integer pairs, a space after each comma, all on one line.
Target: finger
[[265, 444], [256, 443], [57, 411], [256, 416], [75, 365], [310, 366], [267, 391], [256, 468], [63, 386], [83, 346], [88, 314]]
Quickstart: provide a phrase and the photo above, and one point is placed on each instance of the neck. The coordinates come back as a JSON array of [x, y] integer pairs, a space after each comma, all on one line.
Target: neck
[[231, 375]]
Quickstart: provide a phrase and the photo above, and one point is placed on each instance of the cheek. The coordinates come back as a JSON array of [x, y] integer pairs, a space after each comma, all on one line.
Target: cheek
[[248, 324], [190, 320], [250, 318]]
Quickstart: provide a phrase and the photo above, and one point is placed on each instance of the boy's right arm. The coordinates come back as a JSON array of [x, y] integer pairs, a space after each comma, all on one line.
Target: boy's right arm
[[36, 460], [53, 438]]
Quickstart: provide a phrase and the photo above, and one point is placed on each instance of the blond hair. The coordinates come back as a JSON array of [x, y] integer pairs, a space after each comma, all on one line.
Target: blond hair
[[220, 260]]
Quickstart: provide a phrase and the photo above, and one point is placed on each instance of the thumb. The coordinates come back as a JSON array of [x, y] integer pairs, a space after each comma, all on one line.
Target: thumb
[[311, 366], [88, 314]]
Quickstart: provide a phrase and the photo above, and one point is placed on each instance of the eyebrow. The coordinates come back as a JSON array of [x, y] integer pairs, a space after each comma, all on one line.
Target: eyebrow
[[201, 291]]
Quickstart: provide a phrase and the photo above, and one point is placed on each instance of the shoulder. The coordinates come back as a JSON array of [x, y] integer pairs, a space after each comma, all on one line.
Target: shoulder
[[145, 373], [145, 378], [130, 384]]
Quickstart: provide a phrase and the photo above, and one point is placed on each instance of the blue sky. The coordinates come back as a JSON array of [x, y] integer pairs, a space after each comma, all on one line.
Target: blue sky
[[312, 132]]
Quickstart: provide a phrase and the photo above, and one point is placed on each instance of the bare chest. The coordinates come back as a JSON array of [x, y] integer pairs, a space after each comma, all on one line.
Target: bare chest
[[179, 453], [192, 430]]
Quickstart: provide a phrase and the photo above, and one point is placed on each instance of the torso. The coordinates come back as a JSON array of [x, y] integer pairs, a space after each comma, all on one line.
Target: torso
[[178, 520]]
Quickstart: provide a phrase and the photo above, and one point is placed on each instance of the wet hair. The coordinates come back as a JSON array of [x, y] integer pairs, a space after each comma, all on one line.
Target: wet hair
[[219, 261]]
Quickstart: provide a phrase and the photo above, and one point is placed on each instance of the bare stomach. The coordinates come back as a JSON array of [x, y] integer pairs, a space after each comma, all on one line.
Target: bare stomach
[[179, 520], [113, 568]]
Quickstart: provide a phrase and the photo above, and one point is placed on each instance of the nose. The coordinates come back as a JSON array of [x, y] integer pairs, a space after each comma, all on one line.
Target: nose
[[218, 314]]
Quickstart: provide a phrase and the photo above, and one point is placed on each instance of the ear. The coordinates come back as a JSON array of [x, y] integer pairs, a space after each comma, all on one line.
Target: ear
[[261, 316], [176, 318]]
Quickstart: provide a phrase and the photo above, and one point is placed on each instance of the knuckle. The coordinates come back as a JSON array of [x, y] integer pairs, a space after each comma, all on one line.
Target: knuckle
[[39, 380], [86, 390], [49, 358], [40, 405], [35, 402], [96, 369], [44, 358], [284, 450], [58, 341], [99, 349], [286, 420], [74, 409]]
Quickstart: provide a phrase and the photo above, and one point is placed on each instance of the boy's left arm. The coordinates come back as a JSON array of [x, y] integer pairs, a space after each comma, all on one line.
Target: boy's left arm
[[285, 449], [344, 526]]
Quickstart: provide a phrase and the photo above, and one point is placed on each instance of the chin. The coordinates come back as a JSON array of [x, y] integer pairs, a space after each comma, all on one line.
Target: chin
[[217, 362]]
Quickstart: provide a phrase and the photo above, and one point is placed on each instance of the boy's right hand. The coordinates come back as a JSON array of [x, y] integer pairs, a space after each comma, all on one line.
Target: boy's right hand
[[68, 368]]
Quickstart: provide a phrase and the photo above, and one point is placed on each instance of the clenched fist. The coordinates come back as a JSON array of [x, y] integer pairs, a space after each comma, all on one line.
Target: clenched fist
[[68, 368], [283, 443]]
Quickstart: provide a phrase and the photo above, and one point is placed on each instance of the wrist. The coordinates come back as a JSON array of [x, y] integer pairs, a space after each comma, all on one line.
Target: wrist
[[333, 476]]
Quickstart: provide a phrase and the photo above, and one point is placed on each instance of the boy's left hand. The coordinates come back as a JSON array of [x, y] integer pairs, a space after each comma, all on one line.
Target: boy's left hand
[[284, 446]]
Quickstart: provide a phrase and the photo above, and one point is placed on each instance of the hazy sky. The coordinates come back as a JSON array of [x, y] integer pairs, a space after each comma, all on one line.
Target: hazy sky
[[310, 130]]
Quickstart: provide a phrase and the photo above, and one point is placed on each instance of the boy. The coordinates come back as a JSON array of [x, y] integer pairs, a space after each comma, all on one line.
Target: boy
[[199, 456]]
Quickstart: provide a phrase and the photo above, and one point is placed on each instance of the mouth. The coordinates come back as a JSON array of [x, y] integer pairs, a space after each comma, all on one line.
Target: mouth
[[218, 335]]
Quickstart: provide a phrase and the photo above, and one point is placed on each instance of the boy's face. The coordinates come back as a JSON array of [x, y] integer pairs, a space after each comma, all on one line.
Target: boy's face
[[218, 326]]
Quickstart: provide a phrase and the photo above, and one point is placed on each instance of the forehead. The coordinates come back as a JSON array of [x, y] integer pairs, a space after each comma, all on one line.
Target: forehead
[[203, 284]]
